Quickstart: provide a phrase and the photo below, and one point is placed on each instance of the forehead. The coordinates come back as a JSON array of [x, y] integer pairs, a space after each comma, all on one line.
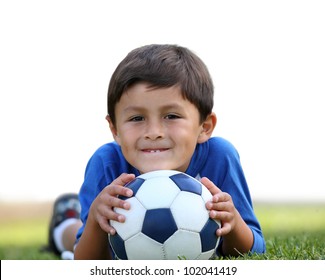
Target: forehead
[[144, 93], [145, 87]]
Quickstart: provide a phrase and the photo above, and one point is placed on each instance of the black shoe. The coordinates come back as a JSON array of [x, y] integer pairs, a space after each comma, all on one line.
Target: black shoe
[[65, 207]]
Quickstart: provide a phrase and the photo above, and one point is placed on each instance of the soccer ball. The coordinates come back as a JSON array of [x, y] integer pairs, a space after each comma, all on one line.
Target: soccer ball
[[167, 219]]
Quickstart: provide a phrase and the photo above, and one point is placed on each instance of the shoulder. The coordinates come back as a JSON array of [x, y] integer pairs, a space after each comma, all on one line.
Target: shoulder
[[109, 159], [213, 157], [108, 151], [222, 155], [105, 155], [108, 147], [221, 146]]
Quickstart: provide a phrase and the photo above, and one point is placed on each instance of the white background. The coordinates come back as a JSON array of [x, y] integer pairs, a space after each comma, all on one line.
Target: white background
[[266, 58]]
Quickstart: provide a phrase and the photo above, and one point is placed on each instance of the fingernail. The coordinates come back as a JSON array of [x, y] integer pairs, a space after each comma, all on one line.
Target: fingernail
[[120, 219], [213, 213], [126, 206]]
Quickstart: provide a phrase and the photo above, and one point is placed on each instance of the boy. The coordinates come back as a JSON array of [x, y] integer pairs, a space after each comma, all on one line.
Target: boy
[[160, 101]]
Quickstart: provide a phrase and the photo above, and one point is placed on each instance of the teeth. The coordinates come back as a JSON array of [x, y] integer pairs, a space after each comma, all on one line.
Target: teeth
[[154, 151]]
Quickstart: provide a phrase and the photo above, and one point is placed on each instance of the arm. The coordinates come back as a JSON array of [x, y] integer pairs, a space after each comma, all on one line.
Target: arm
[[93, 243], [224, 169]]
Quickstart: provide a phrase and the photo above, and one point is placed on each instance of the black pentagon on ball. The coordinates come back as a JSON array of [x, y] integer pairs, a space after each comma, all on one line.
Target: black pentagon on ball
[[187, 183], [117, 243], [134, 185], [159, 224], [208, 235]]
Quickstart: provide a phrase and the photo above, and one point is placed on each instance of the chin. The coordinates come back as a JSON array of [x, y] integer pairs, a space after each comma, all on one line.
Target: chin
[[156, 168], [153, 168]]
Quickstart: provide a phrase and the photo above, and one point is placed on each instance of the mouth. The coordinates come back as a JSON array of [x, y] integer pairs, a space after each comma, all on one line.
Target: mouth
[[154, 151]]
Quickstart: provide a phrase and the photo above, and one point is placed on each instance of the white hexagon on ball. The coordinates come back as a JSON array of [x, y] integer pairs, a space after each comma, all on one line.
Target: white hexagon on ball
[[189, 211], [190, 242], [141, 247], [157, 192]]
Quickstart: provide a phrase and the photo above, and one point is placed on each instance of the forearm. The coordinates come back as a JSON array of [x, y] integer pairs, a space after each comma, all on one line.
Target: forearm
[[93, 243], [239, 240]]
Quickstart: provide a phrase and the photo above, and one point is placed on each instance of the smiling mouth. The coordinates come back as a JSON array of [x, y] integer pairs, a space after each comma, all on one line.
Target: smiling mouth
[[152, 151]]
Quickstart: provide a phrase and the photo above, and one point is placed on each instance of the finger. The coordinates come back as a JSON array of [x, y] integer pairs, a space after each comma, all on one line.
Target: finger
[[221, 197], [222, 206], [210, 186], [115, 190], [117, 187], [221, 216], [113, 201], [224, 230], [107, 213], [219, 202], [105, 226], [123, 179]]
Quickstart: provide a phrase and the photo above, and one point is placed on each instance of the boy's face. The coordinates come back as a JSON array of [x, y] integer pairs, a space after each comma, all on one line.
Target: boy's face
[[158, 128]]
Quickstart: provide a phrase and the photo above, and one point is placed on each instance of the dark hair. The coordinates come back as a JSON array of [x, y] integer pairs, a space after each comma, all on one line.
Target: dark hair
[[163, 66]]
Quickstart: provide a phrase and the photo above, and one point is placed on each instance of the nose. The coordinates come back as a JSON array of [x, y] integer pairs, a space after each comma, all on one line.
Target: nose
[[154, 130]]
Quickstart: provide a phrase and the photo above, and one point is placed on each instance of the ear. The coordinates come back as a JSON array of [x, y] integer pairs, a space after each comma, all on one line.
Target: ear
[[207, 128], [113, 129]]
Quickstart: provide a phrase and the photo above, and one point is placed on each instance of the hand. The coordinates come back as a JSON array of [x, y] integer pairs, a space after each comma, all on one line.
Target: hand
[[221, 208], [101, 210]]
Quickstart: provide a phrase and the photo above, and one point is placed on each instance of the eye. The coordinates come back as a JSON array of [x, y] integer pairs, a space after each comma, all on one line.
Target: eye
[[172, 117], [136, 119]]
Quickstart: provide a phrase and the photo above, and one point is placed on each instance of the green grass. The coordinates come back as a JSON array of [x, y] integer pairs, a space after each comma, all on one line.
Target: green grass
[[292, 232], [24, 240]]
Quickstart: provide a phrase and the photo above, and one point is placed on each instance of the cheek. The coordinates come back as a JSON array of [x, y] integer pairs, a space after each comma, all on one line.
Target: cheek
[[189, 135], [124, 142], [125, 133], [127, 152], [127, 139]]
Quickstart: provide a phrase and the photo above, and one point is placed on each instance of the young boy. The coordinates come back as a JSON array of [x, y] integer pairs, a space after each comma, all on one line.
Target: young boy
[[160, 101]]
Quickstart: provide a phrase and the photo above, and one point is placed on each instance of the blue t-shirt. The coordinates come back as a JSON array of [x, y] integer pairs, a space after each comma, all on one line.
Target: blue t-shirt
[[216, 159]]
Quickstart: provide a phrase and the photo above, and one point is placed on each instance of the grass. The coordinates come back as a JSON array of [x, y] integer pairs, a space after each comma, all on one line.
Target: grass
[[23, 231], [292, 232]]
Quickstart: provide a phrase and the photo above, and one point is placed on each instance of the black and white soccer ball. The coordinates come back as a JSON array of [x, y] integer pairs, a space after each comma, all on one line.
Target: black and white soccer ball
[[167, 219]]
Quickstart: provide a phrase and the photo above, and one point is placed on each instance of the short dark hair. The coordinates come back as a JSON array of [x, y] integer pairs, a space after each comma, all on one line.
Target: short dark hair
[[163, 66]]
